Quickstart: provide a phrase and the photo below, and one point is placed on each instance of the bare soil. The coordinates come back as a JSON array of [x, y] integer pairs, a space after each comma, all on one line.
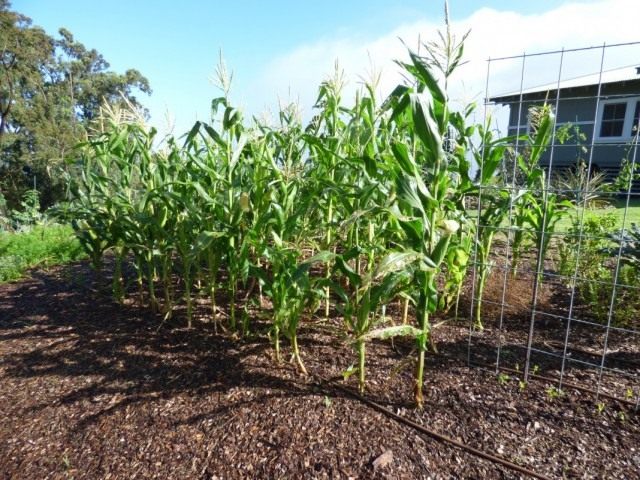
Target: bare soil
[[92, 389]]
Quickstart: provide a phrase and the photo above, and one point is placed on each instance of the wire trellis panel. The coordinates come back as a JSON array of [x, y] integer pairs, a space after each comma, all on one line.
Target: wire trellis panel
[[543, 316]]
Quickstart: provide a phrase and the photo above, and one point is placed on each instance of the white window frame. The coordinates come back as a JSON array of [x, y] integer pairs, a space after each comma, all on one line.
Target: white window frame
[[627, 134]]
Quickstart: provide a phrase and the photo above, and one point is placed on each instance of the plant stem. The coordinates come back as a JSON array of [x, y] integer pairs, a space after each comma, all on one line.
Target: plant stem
[[276, 341], [232, 305], [153, 301], [422, 348], [328, 274], [187, 294], [482, 279], [166, 284], [296, 353], [140, 283], [118, 288], [213, 267], [361, 365], [405, 311]]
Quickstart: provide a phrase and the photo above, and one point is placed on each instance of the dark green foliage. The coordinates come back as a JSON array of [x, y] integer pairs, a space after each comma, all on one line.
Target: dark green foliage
[[589, 255], [627, 245], [50, 91], [592, 239], [28, 213]]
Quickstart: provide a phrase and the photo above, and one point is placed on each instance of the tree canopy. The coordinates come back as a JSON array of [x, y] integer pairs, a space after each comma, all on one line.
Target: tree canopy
[[51, 88]]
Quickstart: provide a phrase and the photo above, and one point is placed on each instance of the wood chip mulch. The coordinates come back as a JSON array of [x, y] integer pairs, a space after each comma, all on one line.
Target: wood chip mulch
[[90, 389]]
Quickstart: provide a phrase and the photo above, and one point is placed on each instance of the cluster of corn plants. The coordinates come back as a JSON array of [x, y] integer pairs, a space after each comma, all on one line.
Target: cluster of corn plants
[[539, 208], [361, 207]]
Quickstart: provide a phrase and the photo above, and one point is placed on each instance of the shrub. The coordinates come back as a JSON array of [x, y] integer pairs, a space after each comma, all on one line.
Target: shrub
[[595, 275], [41, 246], [587, 243], [29, 214], [5, 223], [581, 186]]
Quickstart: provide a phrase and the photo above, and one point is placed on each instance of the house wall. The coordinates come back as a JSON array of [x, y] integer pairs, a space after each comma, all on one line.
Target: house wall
[[579, 107]]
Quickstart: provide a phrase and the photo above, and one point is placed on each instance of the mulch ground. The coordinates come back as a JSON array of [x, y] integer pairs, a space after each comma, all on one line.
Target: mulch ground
[[92, 389]]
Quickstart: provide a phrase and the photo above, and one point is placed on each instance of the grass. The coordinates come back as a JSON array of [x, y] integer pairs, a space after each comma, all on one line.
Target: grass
[[617, 208], [42, 246], [633, 215]]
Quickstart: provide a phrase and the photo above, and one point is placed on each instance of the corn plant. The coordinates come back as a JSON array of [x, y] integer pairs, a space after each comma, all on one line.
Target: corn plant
[[496, 201], [368, 292], [363, 206], [278, 236], [291, 290], [457, 264], [538, 210], [428, 204]]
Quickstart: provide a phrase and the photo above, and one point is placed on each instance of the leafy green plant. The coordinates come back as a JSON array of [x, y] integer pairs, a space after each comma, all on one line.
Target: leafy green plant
[[291, 291], [628, 174], [496, 201], [582, 187], [591, 268], [539, 210], [29, 212], [582, 250], [429, 185], [368, 292], [362, 206], [457, 264], [554, 393], [626, 242], [42, 246], [5, 221], [628, 394]]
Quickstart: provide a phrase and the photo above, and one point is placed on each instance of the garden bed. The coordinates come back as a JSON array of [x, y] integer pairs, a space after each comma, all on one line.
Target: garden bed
[[92, 389]]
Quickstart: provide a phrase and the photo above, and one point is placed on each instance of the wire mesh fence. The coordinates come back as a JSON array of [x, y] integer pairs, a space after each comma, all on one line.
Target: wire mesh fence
[[558, 295]]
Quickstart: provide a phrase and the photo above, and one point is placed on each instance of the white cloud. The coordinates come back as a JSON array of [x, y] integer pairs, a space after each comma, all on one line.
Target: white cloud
[[297, 74]]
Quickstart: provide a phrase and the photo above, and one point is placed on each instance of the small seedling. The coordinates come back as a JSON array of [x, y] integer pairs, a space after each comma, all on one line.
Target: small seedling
[[245, 321], [536, 369], [348, 372], [522, 385], [553, 392], [621, 416], [503, 378], [327, 402], [600, 406], [628, 394], [516, 367]]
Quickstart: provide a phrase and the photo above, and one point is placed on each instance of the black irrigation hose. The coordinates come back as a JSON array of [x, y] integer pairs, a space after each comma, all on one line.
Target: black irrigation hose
[[435, 435]]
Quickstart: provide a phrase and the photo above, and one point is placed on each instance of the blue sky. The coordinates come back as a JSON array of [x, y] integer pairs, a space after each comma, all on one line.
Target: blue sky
[[278, 46]]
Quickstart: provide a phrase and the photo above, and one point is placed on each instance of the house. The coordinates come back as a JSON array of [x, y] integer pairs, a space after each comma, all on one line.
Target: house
[[612, 116]]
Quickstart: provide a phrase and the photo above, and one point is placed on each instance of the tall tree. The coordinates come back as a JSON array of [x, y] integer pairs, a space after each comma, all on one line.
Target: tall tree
[[50, 91]]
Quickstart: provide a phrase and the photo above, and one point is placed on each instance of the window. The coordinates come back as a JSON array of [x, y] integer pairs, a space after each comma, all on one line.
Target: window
[[636, 120], [618, 120], [612, 123]]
